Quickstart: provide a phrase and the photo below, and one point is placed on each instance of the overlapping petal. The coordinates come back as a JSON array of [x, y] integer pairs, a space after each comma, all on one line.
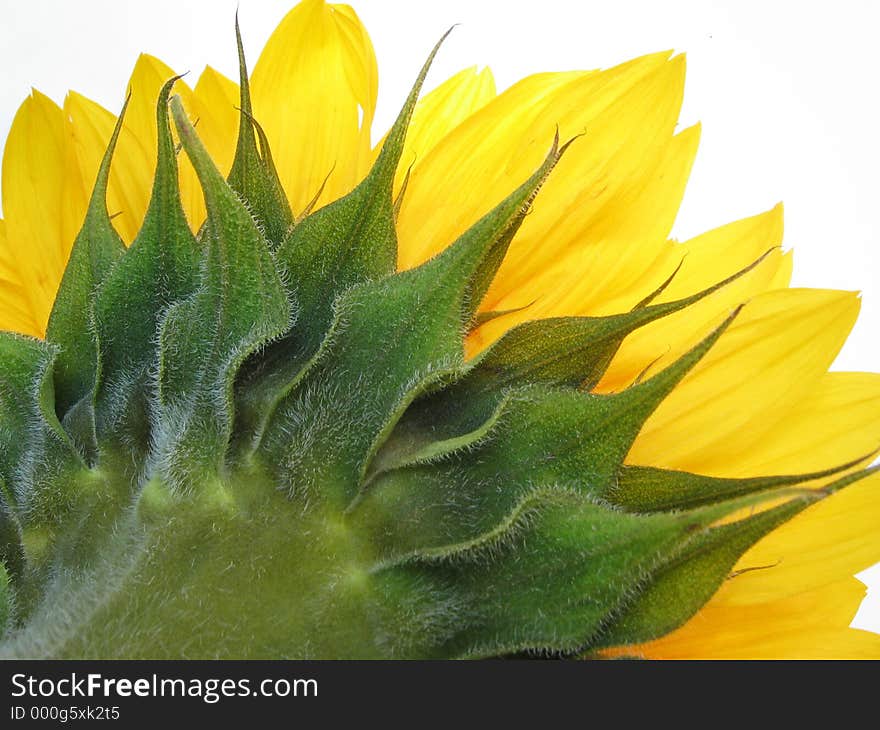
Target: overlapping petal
[[780, 345], [32, 255], [314, 91], [439, 112]]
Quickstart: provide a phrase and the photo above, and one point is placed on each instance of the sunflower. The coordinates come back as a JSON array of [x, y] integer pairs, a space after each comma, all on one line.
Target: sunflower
[[449, 395]]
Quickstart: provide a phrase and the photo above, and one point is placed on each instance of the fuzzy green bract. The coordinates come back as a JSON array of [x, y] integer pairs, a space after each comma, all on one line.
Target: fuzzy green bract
[[265, 441]]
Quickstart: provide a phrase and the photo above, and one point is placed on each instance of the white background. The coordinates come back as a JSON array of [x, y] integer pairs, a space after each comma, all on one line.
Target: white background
[[787, 93]]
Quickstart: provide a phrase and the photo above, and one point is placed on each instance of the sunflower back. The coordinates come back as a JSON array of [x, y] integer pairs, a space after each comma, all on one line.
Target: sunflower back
[[263, 440]]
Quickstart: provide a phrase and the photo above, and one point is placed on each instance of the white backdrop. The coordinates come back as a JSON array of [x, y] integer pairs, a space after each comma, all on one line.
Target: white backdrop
[[786, 91]]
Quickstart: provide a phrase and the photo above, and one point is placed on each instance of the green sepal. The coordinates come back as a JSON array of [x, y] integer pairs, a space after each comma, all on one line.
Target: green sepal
[[22, 363], [350, 241], [11, 549], [5, 601], [391, 340], [79, 424], [96, 248], [684, 584], [485, 274], [576, 351], [239, 306], [544, 435], [253, 175], [546, 581], [649, 489], [565, 351], [37, 456], [160, 268]]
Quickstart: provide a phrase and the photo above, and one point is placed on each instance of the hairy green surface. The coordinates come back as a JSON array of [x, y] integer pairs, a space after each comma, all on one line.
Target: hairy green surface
[[264, 441]]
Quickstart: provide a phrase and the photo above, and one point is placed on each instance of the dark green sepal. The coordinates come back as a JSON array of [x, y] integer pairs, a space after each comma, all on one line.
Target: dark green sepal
[[37, 456], [253, 175], [6, 601], [11, 549], [543, 435], [350, 241], [159, 269], [684, 583], [462, 412], [576, 351], [391, 340], [565, 351], [545, 581], [649, 489], [96, 248]]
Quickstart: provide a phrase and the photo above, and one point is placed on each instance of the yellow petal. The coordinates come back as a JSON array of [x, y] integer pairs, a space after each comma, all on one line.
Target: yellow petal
[[214, 103], [811, 625], [613, 258], [611, 202], [33, 184], [780, 345], [440, 111], [88, 127], [705, 260], [15, 311], [835, 422], [499, 146], [834, 538], [314, 92]]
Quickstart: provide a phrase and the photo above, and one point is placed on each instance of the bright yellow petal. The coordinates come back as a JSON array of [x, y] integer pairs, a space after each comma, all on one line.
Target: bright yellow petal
[[812, 625], [606, 262], [15, 311], [705, 260], [499, 146], [483, 153], [617, 223], [835, 538], [214, 104], [33, 183], [88, 127], [835, 422], [780, 345], [440, 111], [217, 98], [314, 92]]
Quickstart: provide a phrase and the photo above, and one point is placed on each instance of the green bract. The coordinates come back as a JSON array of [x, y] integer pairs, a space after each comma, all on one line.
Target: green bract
[[265, 441]]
